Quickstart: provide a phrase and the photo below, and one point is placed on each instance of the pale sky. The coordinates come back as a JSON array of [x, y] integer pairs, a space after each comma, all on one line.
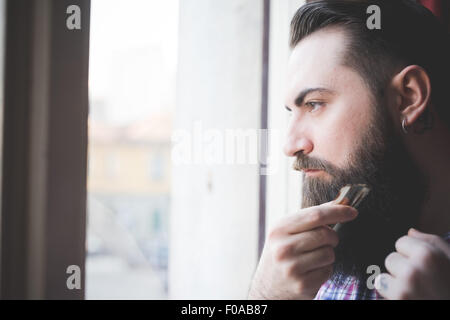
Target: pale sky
[[133, 52]]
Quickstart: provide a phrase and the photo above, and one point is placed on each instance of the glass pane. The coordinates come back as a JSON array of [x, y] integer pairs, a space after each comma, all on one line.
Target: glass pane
[[132, 94]]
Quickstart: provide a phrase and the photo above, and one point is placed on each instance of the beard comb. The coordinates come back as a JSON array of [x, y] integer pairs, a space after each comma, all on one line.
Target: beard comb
[[351, 195]]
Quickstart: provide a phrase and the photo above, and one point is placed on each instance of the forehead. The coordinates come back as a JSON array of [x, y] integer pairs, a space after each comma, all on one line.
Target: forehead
[[316, 61]]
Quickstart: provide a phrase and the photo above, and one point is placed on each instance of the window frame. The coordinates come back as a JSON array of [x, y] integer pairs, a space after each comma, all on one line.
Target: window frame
[[44, 165]]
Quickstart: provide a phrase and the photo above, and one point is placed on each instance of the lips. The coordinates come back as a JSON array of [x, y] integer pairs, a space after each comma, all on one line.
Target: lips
[[310, 170]]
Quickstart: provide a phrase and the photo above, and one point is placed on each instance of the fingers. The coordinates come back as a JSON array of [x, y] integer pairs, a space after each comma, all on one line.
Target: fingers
[[416, 269], [393, 288], [313, 217], [313, 280], [296, 244], [396, 264], [432, 239], [421, 253], [316, 259], [411, 247], [386, 286], [313, 239]]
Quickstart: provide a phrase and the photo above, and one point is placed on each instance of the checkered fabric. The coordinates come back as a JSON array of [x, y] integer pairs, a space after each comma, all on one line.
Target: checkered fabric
[[351, 288]]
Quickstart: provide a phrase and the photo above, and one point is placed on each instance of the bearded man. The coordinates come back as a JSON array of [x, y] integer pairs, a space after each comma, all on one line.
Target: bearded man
[[367, 106]]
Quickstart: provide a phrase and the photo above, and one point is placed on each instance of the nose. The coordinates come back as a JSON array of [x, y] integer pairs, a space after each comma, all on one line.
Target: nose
[[297, 140], [294, 145]]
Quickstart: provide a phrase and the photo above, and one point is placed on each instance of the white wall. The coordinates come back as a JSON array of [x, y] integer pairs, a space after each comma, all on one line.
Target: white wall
[[214, 215], [213, 232]]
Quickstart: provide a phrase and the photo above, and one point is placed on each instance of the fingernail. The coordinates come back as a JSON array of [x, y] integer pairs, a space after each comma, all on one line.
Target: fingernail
[[377, 282], [353, 211]]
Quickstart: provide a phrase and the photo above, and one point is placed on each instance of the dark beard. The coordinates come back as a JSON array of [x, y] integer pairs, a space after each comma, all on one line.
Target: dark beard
[[391, 208]]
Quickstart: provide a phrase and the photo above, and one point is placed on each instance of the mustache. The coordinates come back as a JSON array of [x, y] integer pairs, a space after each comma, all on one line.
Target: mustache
[[304, 162]]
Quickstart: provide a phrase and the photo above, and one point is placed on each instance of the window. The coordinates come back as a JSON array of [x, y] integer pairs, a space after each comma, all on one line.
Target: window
[[157, 162], [132, 82], [155, 228], [158, 228]]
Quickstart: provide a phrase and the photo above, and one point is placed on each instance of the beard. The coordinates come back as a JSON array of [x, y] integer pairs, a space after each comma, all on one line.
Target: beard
[[382, 162]]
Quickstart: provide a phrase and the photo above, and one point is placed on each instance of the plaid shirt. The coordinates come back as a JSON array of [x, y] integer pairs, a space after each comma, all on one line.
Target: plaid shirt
[[351, 288]]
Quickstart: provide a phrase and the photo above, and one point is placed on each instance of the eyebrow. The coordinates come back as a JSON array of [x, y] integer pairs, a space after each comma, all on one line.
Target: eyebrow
[[302, 95]]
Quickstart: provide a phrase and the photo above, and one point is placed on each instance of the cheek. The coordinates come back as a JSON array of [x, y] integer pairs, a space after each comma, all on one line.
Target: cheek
[[345, 127]]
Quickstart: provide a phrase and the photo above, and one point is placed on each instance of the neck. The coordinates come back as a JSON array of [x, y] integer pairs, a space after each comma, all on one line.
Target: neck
[[432, 154]]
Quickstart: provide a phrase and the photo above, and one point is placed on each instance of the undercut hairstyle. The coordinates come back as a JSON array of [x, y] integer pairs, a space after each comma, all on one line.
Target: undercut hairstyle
[[410, 35]]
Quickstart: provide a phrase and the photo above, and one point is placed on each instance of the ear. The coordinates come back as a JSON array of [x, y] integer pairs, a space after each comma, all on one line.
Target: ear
[[413, 88]]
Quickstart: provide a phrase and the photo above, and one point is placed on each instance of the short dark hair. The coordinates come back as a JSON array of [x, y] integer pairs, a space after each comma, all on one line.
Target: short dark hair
[[410, 35]]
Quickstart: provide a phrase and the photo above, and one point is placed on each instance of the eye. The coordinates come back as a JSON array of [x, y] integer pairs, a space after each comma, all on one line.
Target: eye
[[314, 105]]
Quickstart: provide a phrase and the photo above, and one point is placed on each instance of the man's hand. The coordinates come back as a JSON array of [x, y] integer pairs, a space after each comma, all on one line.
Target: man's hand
[[420, 269], [298, 255]]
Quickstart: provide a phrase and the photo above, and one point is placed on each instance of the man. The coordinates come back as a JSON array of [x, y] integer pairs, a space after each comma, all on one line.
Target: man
[[367, 106]]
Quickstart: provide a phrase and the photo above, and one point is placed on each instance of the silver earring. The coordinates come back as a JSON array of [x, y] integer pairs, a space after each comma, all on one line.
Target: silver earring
[[404, 126]]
